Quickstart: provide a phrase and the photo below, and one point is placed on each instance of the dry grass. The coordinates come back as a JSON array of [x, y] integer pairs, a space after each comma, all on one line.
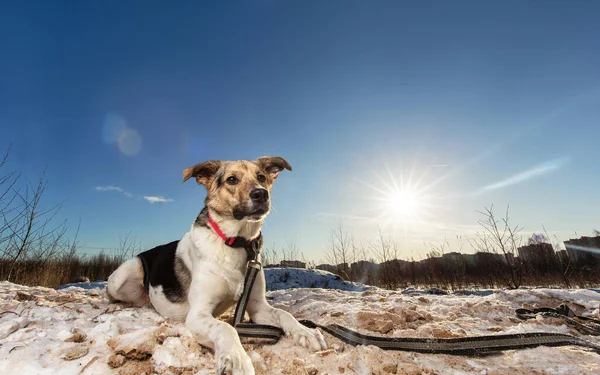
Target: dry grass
[[54, 272]]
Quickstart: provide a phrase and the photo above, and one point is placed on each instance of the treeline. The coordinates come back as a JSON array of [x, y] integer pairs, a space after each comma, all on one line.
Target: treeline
[[457, 271], [501, 258]]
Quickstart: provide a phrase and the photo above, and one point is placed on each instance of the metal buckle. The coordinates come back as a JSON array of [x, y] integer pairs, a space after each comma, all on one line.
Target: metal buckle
[[255, 264]]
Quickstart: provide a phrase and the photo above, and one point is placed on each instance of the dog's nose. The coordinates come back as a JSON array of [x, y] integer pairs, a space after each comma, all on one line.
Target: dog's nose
[[259, 195]]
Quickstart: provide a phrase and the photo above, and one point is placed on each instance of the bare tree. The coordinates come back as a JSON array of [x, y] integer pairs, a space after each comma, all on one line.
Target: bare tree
[[269, 255], [290, 250], [129, 246], [32, 229], [8, 180], [437, 250], [359, 251], [538, 238], [70, 250], [434, 263], [341, 250], [265, 257], [447, 265], [564, 262], [386, 252], [498, 237]]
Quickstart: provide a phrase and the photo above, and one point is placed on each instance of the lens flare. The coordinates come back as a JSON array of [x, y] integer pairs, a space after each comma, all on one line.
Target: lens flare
[[585, 248], [130, 142], [116, 131]]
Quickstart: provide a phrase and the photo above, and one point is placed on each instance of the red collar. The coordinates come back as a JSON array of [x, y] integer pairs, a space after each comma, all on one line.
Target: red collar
[[216, 228], [252, 246]]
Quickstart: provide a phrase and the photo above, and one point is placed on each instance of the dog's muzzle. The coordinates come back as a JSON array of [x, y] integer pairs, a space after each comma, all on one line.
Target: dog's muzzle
[[259, 196], [253, 212]]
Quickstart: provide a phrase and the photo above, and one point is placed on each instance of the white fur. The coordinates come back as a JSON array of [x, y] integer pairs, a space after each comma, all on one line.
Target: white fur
[[166, 308], [217, 281], [127, 283]]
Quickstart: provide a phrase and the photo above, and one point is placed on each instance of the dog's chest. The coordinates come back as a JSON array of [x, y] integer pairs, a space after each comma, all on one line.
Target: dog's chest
[[225, 266], [231, 272]]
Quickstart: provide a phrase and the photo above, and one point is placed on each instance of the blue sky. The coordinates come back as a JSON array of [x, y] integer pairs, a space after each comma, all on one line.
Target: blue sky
[[480, 102]]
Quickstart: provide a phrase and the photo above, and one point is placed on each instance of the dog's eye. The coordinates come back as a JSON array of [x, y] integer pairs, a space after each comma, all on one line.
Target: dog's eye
[[261, 178], [232, 180]]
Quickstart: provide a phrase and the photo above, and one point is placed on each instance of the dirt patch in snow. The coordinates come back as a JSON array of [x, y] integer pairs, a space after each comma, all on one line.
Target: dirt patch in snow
[[76, 331]]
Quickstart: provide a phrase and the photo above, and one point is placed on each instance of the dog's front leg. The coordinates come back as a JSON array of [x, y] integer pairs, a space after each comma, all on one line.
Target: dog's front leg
[[204, 296], [262, 313]]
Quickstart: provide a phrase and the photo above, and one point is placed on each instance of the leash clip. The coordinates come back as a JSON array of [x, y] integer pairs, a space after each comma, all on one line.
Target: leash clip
[[255, 264]]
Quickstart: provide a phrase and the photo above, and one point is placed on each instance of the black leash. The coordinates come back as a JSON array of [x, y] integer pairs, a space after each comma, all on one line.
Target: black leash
[[583, 324], [474, 345], [251, 330]]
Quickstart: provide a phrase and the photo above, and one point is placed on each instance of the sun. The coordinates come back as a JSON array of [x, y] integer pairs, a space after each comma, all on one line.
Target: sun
[[404, 203], [401, 201]]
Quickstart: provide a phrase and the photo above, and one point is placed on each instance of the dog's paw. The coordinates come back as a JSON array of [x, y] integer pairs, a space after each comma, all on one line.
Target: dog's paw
[[234, 362], [309, 338]]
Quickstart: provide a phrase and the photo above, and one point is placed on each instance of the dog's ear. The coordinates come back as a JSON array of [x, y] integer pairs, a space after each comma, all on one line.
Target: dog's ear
[[273, 165], [204, 172]]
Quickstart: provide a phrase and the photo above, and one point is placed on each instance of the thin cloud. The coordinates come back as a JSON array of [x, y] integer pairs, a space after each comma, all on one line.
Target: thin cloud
[[152, 199], [114, 188], [109, 188], [538, 170], [148, 198]]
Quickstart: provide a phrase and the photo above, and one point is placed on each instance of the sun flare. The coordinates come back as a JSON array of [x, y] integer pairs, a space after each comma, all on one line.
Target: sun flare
[[403, 200], [404, 203]]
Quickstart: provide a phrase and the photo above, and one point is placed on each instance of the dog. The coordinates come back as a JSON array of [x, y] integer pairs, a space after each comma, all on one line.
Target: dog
[[199, 277]]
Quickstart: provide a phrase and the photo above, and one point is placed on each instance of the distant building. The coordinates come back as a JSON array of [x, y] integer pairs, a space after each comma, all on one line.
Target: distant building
[[327, 267], [535, 252], [453, 256], [485, 258], [583, 250], [563, 256], [540, 257], [469, 259], [364, 271], [292, 264]]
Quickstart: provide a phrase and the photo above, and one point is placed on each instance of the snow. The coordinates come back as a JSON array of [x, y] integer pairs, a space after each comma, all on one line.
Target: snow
[[99, 284], [277, 278], [75, 330], [286, 278]]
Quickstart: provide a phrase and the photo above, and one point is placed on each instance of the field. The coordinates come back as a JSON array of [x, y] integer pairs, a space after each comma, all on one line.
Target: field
[[75, 331]]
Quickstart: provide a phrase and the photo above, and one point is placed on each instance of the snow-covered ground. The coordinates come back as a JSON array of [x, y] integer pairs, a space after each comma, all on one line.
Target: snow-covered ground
[[279, 278], [75, 331], [286, 278]]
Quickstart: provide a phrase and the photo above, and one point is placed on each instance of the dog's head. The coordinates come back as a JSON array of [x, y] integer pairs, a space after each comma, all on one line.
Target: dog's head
[[238, 189]]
